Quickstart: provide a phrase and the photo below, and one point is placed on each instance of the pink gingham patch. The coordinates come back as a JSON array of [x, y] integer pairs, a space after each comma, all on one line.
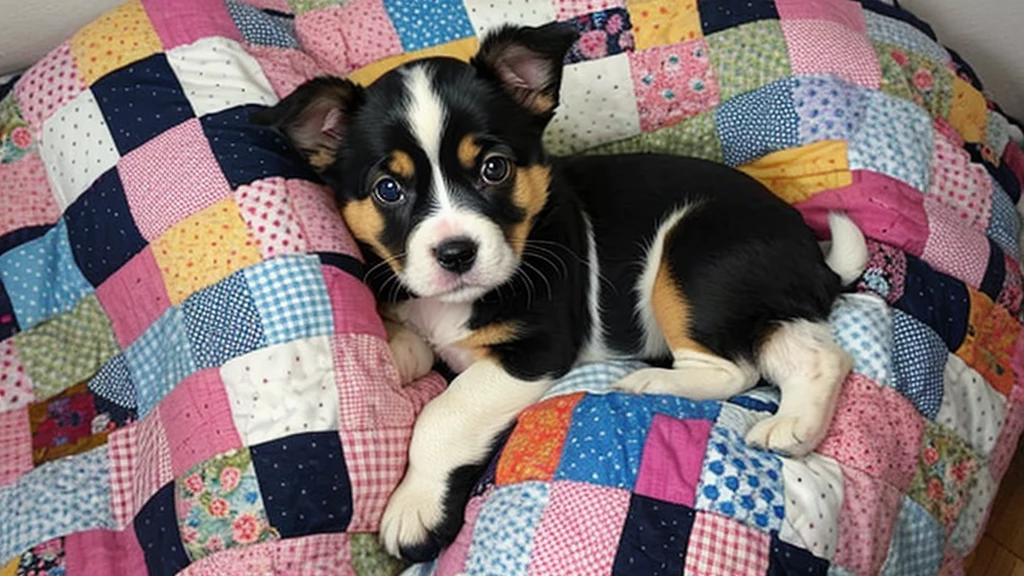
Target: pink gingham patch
[[376, 462], [15, 445], [719, 545]]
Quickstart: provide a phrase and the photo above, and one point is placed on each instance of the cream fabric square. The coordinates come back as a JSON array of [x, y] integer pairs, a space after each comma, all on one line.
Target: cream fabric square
[[217, 74]]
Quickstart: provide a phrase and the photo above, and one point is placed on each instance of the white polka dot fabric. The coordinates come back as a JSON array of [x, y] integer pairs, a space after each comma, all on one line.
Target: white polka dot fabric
[[975, 512], [813, 499], [970, 406], [217, 74], [487, 14]]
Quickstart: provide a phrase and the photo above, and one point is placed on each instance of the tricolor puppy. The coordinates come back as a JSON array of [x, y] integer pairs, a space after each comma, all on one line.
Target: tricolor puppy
[[514, 265]]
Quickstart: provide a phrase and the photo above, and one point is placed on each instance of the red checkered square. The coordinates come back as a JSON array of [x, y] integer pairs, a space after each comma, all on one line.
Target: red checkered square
[[121, 453], [15, 445], [825, 47], [719, 545], [376, 461], [580, 529], [26, 195], [140, 464], [369, 392]]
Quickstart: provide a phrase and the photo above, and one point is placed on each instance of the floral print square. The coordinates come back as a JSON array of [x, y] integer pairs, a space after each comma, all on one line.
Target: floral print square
[[46, 559], [673, 83], [946, 469], [219, 506], [601, 34], [931, 85], [16, 138]]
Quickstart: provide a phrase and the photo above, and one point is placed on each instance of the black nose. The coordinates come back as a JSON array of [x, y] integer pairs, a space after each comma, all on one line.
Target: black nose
[[456, 255]]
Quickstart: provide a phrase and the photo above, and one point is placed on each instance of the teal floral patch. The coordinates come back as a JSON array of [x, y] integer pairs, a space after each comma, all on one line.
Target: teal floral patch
[[220, 506], [16, 139]]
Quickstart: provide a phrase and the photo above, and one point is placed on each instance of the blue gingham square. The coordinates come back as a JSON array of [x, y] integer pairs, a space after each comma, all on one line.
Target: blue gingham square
[[291, 297], [595, 378], [222, 322], [862, 326], [919, 361], [160, 359], [916, 546]]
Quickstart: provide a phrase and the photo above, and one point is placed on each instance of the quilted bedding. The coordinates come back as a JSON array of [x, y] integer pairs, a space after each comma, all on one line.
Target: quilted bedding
[[193, 380]]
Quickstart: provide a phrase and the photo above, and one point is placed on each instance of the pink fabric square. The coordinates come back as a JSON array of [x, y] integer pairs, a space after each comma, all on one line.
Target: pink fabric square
[[884, 208], [16, 389], [368, 33], [197, 420], [579, 530], [673, 83], [826, 47], [109, 552], [566, 9], [285, 68], [720, 545], [321, 221], [185, 21], [845, 12], [875, 430], [672, 458], [953, 247], [316, 554], [452, 561], [26, 195], [15, 445], [866, 521], [271, 217], [318, 32], [140, 464], [171, 177], [1013, 425], [963, 186], [376, 462], [134, 297], [48, 85], [355, 309]]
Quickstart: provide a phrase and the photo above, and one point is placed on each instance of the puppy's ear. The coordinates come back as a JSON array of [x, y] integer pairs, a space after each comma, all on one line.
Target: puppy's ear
[[527, 62], [314, 117]]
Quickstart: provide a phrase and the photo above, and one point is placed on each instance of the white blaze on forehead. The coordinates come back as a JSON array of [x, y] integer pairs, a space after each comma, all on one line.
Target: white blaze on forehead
[[426, 116]]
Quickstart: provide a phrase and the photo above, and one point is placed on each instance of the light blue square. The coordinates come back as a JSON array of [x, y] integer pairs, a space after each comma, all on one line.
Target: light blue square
[[916, 545], [829, 108], [160, 359], [759, 122], [897, 32], [504, 531], [424, 24], [595, 377], [741, 482], [862, 325], [1004, 225], [896, 139], [291, 297]]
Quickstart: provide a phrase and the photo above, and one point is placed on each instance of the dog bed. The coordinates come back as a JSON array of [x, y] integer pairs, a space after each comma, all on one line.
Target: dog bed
[[193, 379]]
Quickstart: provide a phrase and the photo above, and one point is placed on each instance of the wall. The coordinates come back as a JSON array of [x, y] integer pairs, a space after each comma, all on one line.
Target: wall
[[31, 28]]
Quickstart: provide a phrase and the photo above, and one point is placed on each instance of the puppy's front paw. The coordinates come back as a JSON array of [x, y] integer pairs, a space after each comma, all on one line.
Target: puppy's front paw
[[413, 356], [414, 525], [790, 435]]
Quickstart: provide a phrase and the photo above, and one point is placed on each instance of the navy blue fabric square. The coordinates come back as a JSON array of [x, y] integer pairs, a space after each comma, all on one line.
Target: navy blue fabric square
[[784, 559], [654, 539], [101, 230], [247, 152], [305, 483], [898, 13], [758, 123], [718, 15], [937, 300], [222, 322], [113, 382], [995, 272], [157, 531], [259, 27], [8, 322], [16, 238], [1007, 179], [6, 87], [918, 363], [141, 101]]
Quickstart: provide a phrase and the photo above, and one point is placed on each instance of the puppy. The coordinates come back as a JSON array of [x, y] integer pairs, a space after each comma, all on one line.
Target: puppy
[[513, 265]]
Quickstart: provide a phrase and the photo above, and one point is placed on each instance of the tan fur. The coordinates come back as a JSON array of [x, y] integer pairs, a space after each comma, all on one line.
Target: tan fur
[[672, 312], [481, 340], [322, 158], [367, 224], [530, 195], [401, 165], [468, 151]]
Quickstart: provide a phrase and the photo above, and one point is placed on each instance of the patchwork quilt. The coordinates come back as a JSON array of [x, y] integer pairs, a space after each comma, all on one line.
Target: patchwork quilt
[[193, 379]]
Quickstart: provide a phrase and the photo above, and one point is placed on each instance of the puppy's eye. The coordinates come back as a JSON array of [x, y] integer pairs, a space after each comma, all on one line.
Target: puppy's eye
[[495, 170], [388, 190]]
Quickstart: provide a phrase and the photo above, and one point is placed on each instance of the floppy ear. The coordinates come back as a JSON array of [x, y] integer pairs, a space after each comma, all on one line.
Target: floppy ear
[[314, 117], [527, 62]]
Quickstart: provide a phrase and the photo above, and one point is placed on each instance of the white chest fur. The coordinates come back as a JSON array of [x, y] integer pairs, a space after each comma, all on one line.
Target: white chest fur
[[443, 325]]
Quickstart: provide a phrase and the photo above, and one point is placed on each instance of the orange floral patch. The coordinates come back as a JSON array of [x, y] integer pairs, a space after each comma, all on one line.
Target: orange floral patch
[[989, 345], [535, 446]]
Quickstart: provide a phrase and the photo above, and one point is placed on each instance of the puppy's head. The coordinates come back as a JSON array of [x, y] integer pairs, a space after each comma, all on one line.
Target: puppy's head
[[438, 165]]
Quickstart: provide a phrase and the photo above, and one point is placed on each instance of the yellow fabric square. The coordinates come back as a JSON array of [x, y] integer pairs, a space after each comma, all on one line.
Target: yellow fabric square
[[11, 568], [115, 39], [204, 248], [462, 49], [968, 113], [664, 22], [796, 174]]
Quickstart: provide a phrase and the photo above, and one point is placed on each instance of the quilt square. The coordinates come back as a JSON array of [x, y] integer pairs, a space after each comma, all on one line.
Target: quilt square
[[940, 301], [204, 248], [160, 359], [748, 57], [974, 515], [97, 54], [788, 559], [421, 25], [282, 390], [506, 527], [719, 15], [719, 545], [968, 112], [16, 135], [41, 277], [101, 232], [352, 301], [920, 379], [101, 551], [317, 33], [740, 482], [320, 218], [849, 14], [883, 28], [866, 522], [141, 101], [291, 296], [671, 463], [896, 139], [945, 470], [566, 9], [247, 152], [170, 178], [1004, 225], [27, 193], [931, 84], [827, 47], [305, 484], [270, 215], [217, 73], [597, 106], [970, 407], [140, 464], [67, 349], [829, 108], [696, 136], [654, 539], [758, 123], [367, 381], [486, 14], [673, 83], [806, 175], [114, 393], [369, 34], [813, 493], [48, 85], [603, 33], [579, 529], [197, 420], [72, 167], [15, 445], [187, 21], [862, 324], [962, 186], [15, 385], [134, 296], [664, 22], [895, 82], [158, 534], [44, 559], [222, 322], [917, 540], [990, 344], [262, 28], [66, 424], [375, 459], [219, 506], [534, 448]]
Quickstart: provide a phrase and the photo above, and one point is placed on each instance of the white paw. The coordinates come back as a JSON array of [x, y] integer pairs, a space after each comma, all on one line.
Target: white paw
[[412, 355], [790, 435], [414, 511]]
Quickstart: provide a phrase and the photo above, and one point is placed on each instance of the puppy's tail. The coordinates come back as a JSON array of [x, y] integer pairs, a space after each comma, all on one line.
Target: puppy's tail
[[848, 254]]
